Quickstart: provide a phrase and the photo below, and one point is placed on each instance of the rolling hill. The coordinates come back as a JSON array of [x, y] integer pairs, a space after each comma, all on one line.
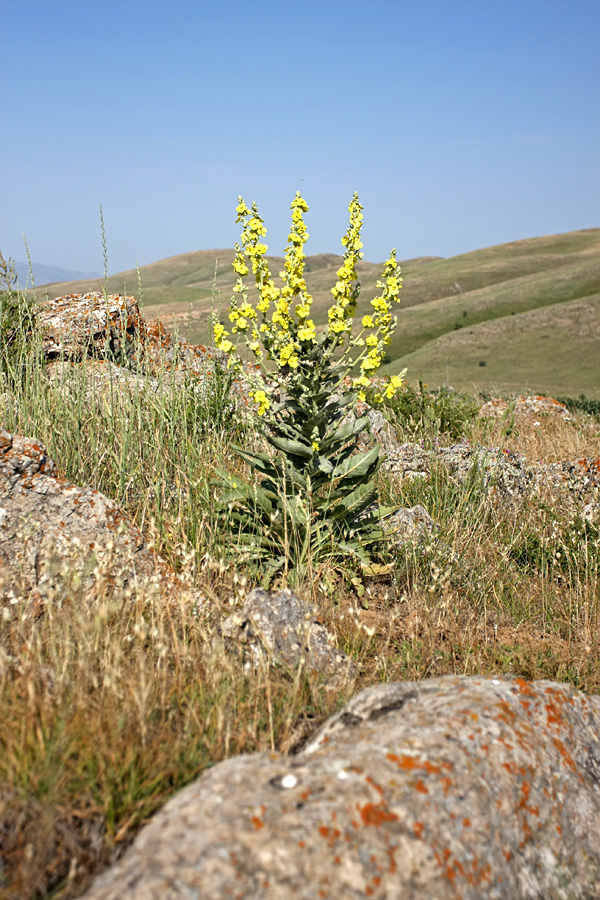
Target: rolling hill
[[518, 316]]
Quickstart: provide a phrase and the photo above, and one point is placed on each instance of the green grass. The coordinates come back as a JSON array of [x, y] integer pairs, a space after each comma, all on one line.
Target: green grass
[[552, 350]]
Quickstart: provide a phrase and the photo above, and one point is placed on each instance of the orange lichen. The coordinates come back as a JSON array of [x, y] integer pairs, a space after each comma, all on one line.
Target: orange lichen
[[565, 754], [410, 763], [376, 813], [332, 834]]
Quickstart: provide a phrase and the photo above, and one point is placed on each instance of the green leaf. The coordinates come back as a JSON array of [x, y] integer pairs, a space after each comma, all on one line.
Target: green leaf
[[359, 464], [356, 501], [345, 432], [289, 446]]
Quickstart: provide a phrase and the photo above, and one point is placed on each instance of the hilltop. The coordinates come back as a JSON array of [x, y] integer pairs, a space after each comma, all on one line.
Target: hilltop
[[518, 316]]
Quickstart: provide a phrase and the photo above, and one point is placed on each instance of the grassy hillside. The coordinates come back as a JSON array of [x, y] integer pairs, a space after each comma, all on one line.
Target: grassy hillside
[[501, 305], [554, 350]]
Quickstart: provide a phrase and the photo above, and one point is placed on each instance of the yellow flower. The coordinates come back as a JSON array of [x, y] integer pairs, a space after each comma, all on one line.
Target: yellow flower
[[248, 311], [299, 203], [395, 382], [226, 346], [288, 356], [307, 331], [255, 225], [240, 266], [315, 446], [219, 333], [368, 322], [302, 310], [263, 401]]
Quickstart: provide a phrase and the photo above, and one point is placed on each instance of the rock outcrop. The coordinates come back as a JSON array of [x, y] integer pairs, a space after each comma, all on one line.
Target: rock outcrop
[[505, 474], [107, 342], [79, 325], [47, 523], [525, 408], [452, 788]]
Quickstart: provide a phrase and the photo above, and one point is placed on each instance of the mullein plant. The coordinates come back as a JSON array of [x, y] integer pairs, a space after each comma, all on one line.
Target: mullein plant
[[315, 495]]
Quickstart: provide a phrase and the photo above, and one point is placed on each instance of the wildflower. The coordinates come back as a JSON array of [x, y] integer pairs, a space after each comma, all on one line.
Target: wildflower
[[307, 332], [396, 381], [263, 401]]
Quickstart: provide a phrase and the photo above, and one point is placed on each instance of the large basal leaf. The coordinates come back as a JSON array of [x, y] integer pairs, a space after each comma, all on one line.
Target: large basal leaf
[[344, 433], [261, 462], [355, 502], [297, 509], [288, 446], [358, 465]]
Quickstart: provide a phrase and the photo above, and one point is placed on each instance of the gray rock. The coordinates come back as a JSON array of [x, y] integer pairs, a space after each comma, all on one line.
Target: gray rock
[[288, 630], [502, 472], [452, 788], [578, 479], [412, 525], [50, 528], [113, 340], [408, 461]]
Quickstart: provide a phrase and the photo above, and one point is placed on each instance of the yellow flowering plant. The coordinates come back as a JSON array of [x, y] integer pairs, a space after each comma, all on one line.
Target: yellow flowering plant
[[316, 493]]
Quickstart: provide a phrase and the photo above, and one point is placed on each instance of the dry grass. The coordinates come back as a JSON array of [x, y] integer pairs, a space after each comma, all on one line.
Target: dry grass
[[544, 438]]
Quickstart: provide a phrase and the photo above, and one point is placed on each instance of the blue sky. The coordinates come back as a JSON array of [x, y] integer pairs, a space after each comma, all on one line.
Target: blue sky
[[461, 123]]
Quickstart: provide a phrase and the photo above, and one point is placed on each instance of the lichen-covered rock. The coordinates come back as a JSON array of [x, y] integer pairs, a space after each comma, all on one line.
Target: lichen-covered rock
[[525, 408], [78, 325], [408, 461], [503, 472], [451, 789], [47, 523], [166, 350], [578, 478], [288, 630]]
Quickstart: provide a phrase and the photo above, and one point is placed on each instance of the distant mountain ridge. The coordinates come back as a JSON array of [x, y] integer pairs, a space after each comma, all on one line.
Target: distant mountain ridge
[[43, 274]]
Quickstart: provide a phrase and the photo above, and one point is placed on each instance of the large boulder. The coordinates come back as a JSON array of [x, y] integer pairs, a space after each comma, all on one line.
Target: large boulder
[[48, 524], [452, 788]]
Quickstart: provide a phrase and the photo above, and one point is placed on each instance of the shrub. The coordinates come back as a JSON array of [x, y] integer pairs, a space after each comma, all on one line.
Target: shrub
[[416, 411]]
